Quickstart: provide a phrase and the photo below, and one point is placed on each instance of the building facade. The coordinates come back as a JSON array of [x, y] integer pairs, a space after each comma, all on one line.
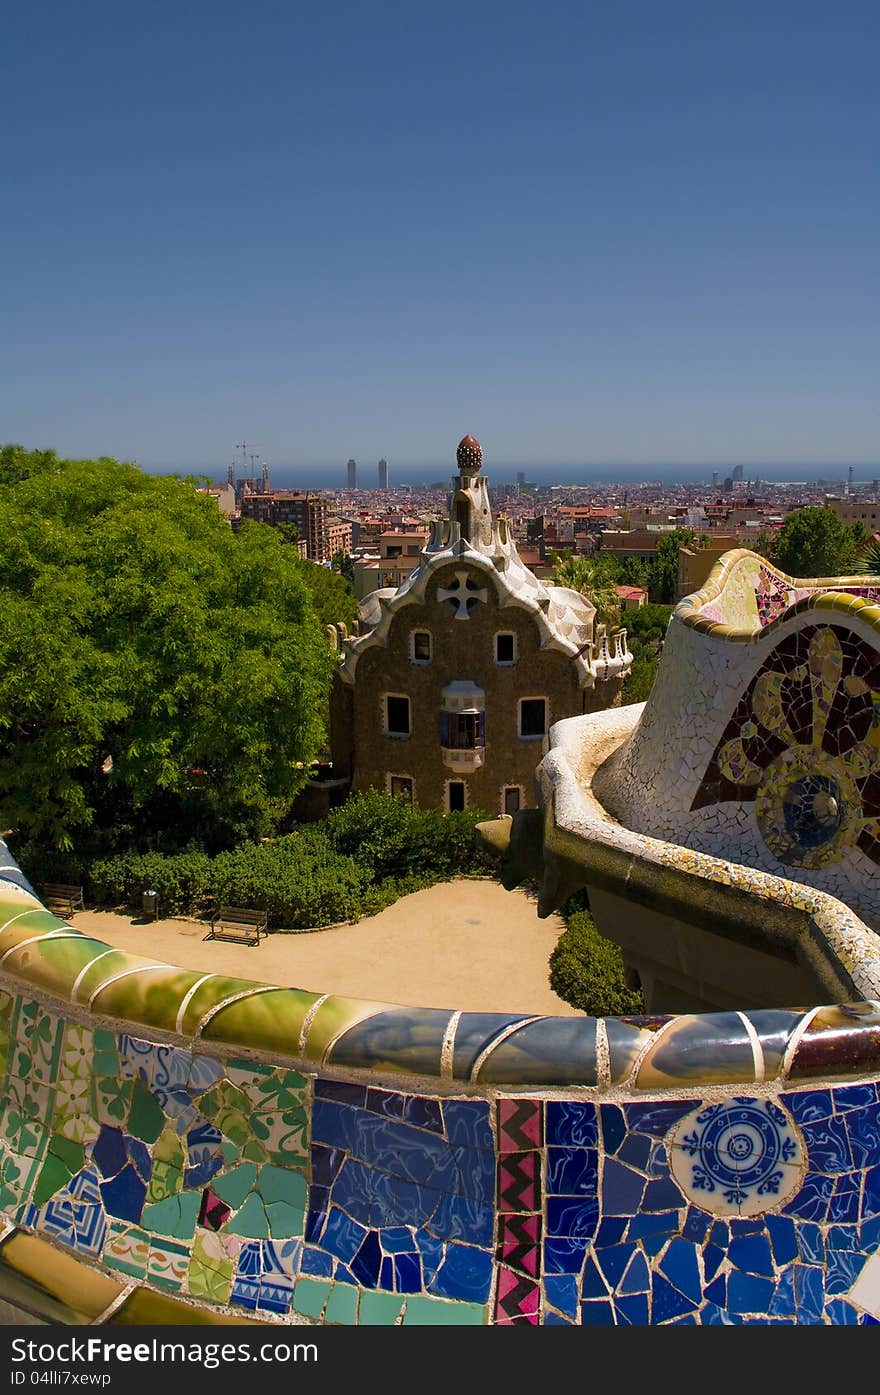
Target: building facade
[[448, 693]]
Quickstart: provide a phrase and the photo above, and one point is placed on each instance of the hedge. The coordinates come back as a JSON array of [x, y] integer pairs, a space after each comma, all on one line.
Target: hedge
[[587, 971]]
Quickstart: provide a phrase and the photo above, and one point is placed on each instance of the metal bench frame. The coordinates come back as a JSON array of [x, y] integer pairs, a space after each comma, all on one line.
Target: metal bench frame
[[238, 925]]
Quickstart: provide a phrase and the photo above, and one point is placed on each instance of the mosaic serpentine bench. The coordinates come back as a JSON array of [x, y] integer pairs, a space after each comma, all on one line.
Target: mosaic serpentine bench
[[186, 1147]]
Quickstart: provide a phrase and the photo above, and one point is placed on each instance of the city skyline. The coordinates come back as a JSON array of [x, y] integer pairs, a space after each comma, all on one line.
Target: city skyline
[[589, 234]]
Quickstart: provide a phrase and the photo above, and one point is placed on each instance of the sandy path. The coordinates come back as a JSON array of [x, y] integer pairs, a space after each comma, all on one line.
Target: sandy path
[[463, 944]]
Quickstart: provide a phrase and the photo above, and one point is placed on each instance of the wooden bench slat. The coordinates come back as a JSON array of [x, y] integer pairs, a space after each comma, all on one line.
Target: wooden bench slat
[[238, 924], [66, 896]]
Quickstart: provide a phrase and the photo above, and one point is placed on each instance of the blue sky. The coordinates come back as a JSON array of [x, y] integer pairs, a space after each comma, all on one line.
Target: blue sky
[[614, 231]]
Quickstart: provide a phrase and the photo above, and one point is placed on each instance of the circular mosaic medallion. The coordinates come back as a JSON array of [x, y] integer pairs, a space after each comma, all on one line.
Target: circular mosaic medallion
[[806, 807], [740, 1158]]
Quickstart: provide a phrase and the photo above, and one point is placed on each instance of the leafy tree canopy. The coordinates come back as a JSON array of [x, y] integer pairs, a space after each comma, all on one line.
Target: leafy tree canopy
[[815, 542], [160, 677], [332, 596], [595, 578]]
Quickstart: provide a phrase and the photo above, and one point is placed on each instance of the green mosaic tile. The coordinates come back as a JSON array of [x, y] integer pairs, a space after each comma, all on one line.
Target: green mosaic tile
[[277, 1184], [168, 1264], [16, 1178], [145, 1118], [251, 1221], [234, 1187], [309, 1296], [63, 1159], [433, 1312], [224, 1096], [380, 1309], [165, 1181], [267, 1022], [285, 1222], [106, 1054], [176, 1215], [113, 1099], [127, 1248], [254, 1152], [6, 1005], [72, 1154], [168, 1148], [284, 1135], [210, 1270], [342, 1305]]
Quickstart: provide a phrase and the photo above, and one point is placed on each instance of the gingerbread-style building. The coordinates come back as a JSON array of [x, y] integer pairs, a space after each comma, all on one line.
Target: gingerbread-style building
[[447, 693]]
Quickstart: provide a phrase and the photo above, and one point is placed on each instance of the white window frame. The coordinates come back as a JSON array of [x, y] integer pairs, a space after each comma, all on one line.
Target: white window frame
[[396, 735], [421, 663], [446, 788], [505, 663], [398, 775], [533, 697]]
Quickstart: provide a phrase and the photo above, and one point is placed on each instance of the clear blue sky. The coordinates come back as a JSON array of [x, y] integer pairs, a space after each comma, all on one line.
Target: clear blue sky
[[613, 231]]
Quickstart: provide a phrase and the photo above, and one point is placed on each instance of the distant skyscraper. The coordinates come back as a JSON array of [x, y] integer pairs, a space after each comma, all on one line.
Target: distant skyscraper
[[737, 472], [520, 477], [714, 477], [352, 474], [383, 474]]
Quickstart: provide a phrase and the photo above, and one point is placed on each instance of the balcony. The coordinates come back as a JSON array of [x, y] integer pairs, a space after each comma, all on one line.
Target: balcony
[[463, 727]]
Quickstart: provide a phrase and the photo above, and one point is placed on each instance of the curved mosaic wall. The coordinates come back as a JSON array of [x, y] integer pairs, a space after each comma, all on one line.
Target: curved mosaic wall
[[761, 739], [183, 1147]]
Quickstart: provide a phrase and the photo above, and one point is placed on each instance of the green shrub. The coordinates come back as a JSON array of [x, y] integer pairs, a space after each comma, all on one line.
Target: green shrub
[[587, 971]]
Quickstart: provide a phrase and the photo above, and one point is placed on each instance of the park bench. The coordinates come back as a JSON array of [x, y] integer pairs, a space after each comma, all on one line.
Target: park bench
[[61, 897], [238, 924]]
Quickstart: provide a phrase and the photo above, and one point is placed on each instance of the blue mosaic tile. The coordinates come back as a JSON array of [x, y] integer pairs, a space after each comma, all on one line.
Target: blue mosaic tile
[[611, 1230], [711, 1315], [124, 1195], [366, 1263], [563, 1255], [783, 1238], [635, 1150], [326, 1163], [854, 1097], [752, 1254], [387, 1102], [593, 1283], [696, 1225], [597, 1314], [747, 1293], [415, 1041], [845, 1205], [318, 1263], [108, 1151], [466, 1273], [552, 1319], [75, 1216], [842, 1268], [661, 1224], [844, 1237], [423, 1113], [809, 1292], [811, 1201], [613, 1262], [679, 1265], [746, 1225], [668, 1301], [407, 1273], [561, 1291], [713, 1258], [431, 1251], [613, 1128], [139, 1157], [572, 1123], [637, 1278], [716, 1291], [386, 1274], [467, 1122], [396, 1240], [632, 1310], [841, 1314], [863, 1134], [460, 1218], [552, 1051], [828, 1146], [622, 1189], [343, 1237], [341, 1091], [811, 1243], [871, 1194], [720, 1234], [865, 1320], [782, 1303], [661, 1194], [250, 1259], [476, 1173], [572, 1216], [808, 1105], [572, 1171], [474, 1032], [658, 1116]]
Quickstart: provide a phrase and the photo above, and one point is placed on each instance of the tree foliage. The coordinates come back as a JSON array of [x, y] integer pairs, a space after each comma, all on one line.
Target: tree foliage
[[160, 676], [332, 596], [867, 563], [593, 577], [587, 971], [815, 542]]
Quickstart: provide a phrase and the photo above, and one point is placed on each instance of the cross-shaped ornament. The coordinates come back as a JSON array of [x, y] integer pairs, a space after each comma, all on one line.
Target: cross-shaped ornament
[[463, 594]]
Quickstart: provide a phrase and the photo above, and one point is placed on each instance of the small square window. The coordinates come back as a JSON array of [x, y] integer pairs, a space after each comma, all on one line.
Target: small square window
[[505, 649], [397, 716], [421, 646], [511, 799], [456, 799], [401, 787], [533, 717]]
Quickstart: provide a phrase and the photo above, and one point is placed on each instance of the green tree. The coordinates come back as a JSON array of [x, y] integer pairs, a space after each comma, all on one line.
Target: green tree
[[342, 563], [332, 596], [587, 971], [160, 676], [595, 578], [815, 542], [664, 568], [867, 563]]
